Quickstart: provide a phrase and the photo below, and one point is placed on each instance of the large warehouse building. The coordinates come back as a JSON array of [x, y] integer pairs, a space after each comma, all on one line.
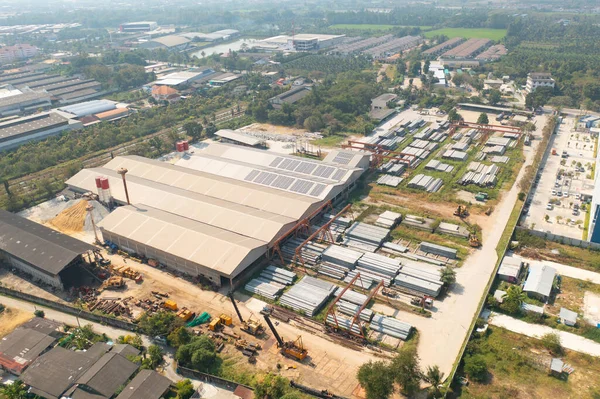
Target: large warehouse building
[[217, 210], [45, 254]]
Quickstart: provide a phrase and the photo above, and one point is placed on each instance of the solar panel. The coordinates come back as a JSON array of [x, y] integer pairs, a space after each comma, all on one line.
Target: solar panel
[[306, 167], [338, 174], [283, 182], [276, 162], [292, 165], [343, 158], [319, 170], [301, 186], [265, 178], [324, 171], [317, 190], [285, 163], [252, 175]]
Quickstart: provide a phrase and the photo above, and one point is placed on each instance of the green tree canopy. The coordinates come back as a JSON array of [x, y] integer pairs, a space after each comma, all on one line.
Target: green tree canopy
[[377, 380], [406, 371], [199, 354]]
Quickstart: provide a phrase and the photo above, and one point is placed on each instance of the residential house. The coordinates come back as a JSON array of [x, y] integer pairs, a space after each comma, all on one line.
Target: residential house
[[165, 93], [539, 281]]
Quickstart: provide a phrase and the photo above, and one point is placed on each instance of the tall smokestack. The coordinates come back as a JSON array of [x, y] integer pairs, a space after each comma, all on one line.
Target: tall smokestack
[[90, 208], [122, 172]]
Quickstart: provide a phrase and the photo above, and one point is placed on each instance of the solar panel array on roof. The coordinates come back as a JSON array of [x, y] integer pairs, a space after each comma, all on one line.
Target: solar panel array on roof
[[343, 158]]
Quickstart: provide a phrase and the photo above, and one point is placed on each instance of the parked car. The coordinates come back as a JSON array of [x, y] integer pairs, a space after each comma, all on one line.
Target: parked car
[[549, 207], [553, 192], [565, 194], [575, 212]]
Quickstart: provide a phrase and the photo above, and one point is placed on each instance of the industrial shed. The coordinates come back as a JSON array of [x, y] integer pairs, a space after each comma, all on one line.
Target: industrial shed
[[217, 210], [45, 254]]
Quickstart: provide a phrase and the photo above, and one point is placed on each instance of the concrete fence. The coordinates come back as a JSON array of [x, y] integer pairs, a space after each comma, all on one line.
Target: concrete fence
[[562, 239], [84, 314], [198, 375]]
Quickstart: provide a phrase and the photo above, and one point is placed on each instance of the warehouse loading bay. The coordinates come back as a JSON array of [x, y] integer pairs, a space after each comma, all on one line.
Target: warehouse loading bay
[[407, 307], [564, 185]]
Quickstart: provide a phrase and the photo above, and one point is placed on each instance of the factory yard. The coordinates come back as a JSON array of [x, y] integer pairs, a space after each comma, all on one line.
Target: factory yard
[[564, 185]]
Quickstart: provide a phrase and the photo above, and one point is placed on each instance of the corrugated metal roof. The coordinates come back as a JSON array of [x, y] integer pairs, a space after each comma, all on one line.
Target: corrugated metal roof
[[147, 384], [89, 107], [540, 279], [239, 137]]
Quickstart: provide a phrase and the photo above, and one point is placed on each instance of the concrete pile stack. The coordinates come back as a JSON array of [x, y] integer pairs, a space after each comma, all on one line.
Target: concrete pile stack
[[264, 287], [343, 323], [364, 281], [353, 297], [434, 164], [311, 252], [391, 326], [351, 309], [378, 267], [341, 256], [480, 174], [365, 236], [332, 270], [420, 278], [308, 295], [339, 225], [389, 180], [395, 248], [278, 275], [427, 183], [388, 219], [440, 250]]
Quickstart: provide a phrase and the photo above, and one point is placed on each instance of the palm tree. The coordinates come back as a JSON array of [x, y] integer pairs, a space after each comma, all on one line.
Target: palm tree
[[448, 276], [434, 376], [16, 390], [514, 298]]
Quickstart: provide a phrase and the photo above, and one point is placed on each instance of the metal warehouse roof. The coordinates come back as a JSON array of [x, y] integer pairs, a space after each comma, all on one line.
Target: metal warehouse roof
[[147, 384], [239, 137], [171, 40], [221, 250], [540, 279], [30, 124], [38, 245], [244, 193], [89, 107], [244, 220]]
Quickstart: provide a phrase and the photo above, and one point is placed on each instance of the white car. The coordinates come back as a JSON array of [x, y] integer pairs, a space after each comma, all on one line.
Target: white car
[[565, 194], [549, 207]]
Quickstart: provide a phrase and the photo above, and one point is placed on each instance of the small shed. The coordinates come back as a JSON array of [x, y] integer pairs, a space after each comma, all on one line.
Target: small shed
[[499, 295], [567, 317], [510, 269], [556, 367]]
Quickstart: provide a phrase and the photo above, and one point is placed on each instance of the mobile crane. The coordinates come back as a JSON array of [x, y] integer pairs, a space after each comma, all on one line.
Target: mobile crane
[[292, 349]]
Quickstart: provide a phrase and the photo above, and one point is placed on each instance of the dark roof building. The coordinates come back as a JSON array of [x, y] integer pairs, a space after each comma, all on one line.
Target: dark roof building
[[38, 250], [291, 96], [147, 384], [21, 347], [106, 375]]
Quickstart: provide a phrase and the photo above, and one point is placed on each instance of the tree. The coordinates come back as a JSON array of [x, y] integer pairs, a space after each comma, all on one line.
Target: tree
[[160, 323], [211, 129], [193, 129], [376, 379], [483, 119], [179, 336], [39, 313], [454, 116], [313, 123], [184, 389], [426, 66], [199, 354], [405, 369], [270, 387], [16, 390], [156, 355], [133, 340], [448, 276], [476, 368], [434, 376], [551, 341], [513, 299], [495, 97]]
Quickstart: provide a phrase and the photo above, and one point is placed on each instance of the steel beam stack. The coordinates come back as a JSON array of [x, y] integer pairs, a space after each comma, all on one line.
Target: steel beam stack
[[264, 287], [390, 326], [351, 309], [343, 323], [354, 297], [308, 295]]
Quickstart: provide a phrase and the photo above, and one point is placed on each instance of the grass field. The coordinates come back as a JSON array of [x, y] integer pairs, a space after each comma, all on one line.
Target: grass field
[[373, 27], [493, 34]]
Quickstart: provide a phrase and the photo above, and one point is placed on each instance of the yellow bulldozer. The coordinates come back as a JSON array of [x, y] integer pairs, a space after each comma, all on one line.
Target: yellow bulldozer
[[461, 211]]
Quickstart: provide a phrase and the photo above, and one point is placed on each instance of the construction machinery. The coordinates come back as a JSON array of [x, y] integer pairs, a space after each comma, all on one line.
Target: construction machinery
[[113, 283], [252, 327], [474, 241], [127, 272], [461, 212], [185, 314], [426, 301], [223, 320], [292, 349], [171, 305], [482, 197]]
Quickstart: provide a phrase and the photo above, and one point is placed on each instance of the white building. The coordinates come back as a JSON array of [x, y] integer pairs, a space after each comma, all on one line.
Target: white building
[[10, 54], [539, 79], [140, 26]]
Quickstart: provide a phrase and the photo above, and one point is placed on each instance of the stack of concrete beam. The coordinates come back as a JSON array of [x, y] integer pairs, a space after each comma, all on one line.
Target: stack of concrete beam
[[311, 252], [424, 134], [365, 280], [390, 326], [279, 275], [389, 180], [341, 256], [434, 164], [353, 297], [332, 270], [338, 226], [453, 229], [264, 287], [343, 323], [395, 248], [438, 137], [435, 249], [367, 233], [388, 219], [308, 295], [397, 169], [455, 155], [427, 183], [351, 309], [484, 175], [391, 144], [417, 285], [379, 266]]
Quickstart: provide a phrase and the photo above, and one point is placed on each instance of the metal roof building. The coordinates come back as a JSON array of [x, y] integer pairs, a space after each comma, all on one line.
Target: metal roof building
[[217, 210], [89, 107], [147, 384], [232, 136], [21, 347], [539, 281], [44, 253]]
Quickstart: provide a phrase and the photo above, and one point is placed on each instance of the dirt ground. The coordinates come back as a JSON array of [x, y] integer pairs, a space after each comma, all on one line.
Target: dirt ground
[[272, 129], [11, 319]]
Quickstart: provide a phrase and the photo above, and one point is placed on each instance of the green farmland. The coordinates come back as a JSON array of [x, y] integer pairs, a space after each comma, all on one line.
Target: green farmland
[[493, 34], [372, 27]]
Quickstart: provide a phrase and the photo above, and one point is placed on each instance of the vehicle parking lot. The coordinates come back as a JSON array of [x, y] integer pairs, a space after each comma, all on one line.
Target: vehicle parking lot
[[563, 184]]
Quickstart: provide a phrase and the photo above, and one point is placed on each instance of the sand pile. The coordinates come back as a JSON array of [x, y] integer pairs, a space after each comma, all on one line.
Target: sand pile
[[71, 219]]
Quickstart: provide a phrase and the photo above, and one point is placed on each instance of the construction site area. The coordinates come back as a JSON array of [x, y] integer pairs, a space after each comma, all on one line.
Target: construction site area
[[303, 266]]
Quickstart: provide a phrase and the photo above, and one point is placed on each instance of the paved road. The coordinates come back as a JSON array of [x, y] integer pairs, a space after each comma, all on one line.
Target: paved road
[[441, 336], [568, 271], [568, 340], [111, 332]]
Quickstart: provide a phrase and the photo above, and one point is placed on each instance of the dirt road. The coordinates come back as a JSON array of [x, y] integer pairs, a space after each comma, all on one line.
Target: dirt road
[[441, 336]]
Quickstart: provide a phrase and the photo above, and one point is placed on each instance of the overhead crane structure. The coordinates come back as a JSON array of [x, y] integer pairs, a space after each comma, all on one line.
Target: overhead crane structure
[[380, 154], [485, 128], [303, 226], [356, 319], [323, 233]]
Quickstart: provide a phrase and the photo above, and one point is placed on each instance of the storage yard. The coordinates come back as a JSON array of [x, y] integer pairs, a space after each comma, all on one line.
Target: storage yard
[[340, 276]]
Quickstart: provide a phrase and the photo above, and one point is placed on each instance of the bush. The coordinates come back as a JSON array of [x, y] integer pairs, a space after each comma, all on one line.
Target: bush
[[476, 368], [39, 313], [200, 354], [551, 341]]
